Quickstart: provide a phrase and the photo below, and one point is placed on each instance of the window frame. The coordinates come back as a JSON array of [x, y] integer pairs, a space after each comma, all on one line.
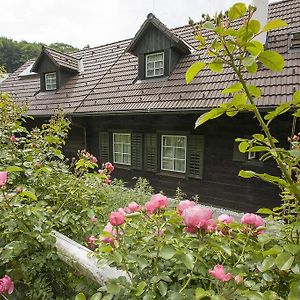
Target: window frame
[[122, 153], [146, 64], [174, 159], [45, 77]]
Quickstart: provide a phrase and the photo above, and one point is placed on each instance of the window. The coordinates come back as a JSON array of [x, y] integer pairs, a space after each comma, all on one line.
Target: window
[[173, 153], [122, 148], [295, 40], [252, 155], [155, 64], [50, 81]]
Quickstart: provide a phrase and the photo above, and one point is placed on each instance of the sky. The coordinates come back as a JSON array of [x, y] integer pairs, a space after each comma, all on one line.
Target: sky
[[95, 22]]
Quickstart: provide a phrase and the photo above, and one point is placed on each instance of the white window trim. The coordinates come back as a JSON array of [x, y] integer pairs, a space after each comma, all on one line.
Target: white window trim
[[50, 89], [114, 160], [251, 155], [163, 61], [161, 155]]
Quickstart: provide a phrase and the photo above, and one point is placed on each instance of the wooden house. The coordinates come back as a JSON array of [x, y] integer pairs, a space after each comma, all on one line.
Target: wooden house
[[129, 104]]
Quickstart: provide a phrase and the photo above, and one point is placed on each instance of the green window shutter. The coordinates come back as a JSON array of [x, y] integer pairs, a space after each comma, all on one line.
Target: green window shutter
[[137, 151], [104, 147], [150, 146], [237, 155], [195, 156]]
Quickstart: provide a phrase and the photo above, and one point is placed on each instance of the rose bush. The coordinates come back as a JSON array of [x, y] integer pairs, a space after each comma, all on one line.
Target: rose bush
[[40, 191]]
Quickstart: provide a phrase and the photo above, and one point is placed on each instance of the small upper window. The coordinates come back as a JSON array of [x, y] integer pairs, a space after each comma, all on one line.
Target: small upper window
[[155, 64], [122, 148], [50, 81], [295, 40], [173, 153]]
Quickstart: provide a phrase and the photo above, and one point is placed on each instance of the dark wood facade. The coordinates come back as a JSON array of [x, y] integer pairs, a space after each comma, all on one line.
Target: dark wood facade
[[215, 180]]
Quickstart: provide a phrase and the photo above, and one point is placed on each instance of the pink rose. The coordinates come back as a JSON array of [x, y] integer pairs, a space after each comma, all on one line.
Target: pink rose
[[13, 138], [196, 217], [109, 167], [88, 155], [3, 178], [252, 219], [157, 201], [6, 285], [132, 207], [219, 273], [238, 279], [225, 219], [184, 204], [107, 181], [90, 241], [109, 229], [116, 218], [211, 225], [94, 160], [122, 211]]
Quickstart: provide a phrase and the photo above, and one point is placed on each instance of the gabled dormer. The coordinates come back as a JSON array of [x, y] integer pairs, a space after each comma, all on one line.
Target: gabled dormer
[[55, 68], [158, 49]]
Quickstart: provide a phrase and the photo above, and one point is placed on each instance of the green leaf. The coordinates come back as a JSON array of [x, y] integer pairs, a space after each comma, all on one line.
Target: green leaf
[[237, 87], [294, 290], [237, 11], [201, 293], [254, 91], [28, 194], [254, 26], [274, 24], [296, 97], [112, 287], [140, 288], [97, 296], [80, 296], [243, 147], [213, 114], [167, 252], [248, 61], [272, 60], [252, 69], [216, 66], [188, 260], [193, 70], [163, 288], [246, 174], [267, 263], [292, 248], [14, 169], [251, 295], [209, 25], [255, 48], [258, 136], [265, 211], [284, 261]]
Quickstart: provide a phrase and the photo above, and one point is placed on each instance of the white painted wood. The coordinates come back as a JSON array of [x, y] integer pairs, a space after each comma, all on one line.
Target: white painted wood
[[79, 257], [261, 15]]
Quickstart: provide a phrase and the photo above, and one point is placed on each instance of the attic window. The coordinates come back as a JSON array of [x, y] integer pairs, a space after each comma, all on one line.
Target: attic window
[[154, 64], [50, 81], [295, 40]]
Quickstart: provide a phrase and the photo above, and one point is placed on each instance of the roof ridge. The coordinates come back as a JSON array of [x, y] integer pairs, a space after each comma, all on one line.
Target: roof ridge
[[62, 53]]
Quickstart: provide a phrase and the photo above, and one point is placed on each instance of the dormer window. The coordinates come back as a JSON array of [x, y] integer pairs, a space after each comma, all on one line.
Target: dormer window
[[295, 40], [154, 64], [50, 81]]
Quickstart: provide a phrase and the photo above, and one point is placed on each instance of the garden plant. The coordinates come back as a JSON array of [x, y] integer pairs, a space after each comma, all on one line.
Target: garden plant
[[182, 252]]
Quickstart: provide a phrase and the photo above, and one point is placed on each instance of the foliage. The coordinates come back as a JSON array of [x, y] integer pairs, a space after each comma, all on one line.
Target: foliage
[[217, 260], [43, 193], [13, 54]]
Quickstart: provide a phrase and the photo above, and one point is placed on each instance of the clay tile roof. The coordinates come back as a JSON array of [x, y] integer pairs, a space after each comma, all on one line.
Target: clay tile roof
[[109, 82]]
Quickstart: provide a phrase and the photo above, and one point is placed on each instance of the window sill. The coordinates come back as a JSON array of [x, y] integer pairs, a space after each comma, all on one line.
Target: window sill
[[123, 167], [172, 174]]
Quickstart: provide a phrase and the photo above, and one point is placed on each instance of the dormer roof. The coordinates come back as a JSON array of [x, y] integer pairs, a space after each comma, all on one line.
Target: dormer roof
[[61, 60], [179, 43]]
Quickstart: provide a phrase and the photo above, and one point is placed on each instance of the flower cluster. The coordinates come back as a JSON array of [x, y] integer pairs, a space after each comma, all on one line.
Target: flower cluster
[[6, 285], [89, 156], [156, 203]]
